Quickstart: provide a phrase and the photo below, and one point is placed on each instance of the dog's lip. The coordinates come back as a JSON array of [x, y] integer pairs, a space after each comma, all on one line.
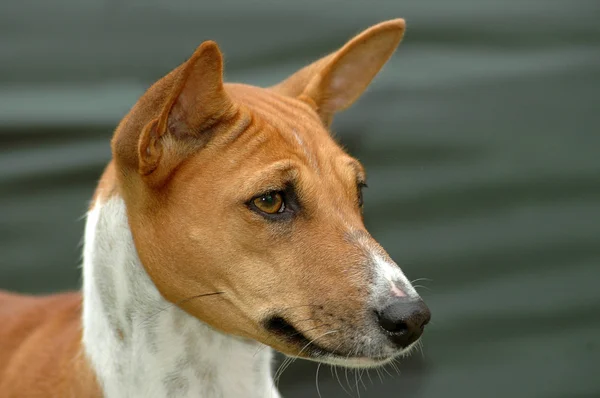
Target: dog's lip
[[288, 333], [322, 355], [356, 361], [309, 349], [371, 361], [325, 353]]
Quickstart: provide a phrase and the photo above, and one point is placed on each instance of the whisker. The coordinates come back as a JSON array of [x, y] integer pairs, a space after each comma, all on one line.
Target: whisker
[[420, 345], [421, 287], [356, 373], [360, 378], [346, 371], [171, 305], [317, 379], [335, 367], [198, 296], [421, 279], [379, 374], [386, 371], [282, 368], [279, 371], [313, 340], [263, 346], [294, 334]]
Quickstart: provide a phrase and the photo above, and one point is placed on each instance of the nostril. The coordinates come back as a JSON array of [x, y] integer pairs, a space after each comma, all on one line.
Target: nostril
[[390, 324]]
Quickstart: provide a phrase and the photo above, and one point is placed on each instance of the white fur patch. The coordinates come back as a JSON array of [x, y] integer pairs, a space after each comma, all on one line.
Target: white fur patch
[[389, 276], [142, 346]]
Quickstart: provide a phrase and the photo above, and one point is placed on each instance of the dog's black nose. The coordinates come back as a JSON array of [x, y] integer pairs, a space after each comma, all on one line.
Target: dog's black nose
[[404, 320]]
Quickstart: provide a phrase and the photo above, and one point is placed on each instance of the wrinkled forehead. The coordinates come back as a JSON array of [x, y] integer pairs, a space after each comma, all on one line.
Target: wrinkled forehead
[[299, 126], [286, 114]]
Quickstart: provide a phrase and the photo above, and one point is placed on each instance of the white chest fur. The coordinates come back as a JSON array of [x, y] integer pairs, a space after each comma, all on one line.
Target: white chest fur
[[142, 346]]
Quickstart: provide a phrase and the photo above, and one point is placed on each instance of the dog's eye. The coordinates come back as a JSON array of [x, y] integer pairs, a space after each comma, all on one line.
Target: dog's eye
[[361, 186], [270, 203]]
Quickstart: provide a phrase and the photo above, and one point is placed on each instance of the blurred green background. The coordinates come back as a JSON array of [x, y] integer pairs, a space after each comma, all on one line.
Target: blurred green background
[[481, 138]]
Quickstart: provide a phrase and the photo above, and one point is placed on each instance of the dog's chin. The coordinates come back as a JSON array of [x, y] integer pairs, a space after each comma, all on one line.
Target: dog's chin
[[358, 362], [354, 362]]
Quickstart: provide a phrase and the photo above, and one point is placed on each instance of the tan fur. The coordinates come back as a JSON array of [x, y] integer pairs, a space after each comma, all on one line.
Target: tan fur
[[40, 350], [186, 159]]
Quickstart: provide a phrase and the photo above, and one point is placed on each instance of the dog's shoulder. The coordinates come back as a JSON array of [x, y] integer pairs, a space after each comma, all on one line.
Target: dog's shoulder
[[40, 333]]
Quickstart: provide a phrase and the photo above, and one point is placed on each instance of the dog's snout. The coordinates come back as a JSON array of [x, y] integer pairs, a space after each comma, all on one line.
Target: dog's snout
[[404, 319]]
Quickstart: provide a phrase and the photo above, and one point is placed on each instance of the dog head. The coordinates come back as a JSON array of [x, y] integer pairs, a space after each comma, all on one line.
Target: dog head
[[242, 190]]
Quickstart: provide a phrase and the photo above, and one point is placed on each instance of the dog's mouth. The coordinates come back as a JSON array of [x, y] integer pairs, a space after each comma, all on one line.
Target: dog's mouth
[[280, 327], [310, 349]]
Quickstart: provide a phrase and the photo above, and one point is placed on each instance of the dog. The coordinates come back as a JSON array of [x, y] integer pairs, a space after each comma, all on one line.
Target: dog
[[227, 224]]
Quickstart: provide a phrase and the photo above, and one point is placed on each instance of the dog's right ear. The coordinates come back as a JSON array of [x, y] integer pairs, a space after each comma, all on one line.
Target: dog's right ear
[[196, 102]]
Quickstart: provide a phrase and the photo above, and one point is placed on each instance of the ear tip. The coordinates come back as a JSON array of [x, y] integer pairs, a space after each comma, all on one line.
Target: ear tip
[[207, 50], [208, 47], [392, 29], [398, 25]]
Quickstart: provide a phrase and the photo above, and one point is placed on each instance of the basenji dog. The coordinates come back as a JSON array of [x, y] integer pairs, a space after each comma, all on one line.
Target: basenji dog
[[228, 223]]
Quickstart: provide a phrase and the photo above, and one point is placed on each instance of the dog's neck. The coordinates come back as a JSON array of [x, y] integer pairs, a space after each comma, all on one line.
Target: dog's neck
[[139, 344]]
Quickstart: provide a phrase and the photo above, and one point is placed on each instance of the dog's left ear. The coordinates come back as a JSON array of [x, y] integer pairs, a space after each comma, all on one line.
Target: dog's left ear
[[334, 82]]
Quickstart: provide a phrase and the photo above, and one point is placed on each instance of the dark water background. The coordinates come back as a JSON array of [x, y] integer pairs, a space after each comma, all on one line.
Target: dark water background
[[481, 139]]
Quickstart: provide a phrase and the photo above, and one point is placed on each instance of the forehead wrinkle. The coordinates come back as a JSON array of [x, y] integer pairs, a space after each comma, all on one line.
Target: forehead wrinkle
[[292, 109], [265, 109], [256, 139], [272, 176], [249, 146], [286, 109], [290, 127], [250, 95], [238, 127]]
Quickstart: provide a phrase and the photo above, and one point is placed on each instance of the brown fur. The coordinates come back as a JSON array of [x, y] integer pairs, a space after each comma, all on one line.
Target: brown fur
[[186, 159], [40, 351]]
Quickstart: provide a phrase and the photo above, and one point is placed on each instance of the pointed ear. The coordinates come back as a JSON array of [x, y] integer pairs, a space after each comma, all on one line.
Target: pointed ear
[[195, 101], [334, 82]]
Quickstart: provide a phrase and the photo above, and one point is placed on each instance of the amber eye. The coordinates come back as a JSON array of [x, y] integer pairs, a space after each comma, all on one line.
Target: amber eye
[[270, 203]]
